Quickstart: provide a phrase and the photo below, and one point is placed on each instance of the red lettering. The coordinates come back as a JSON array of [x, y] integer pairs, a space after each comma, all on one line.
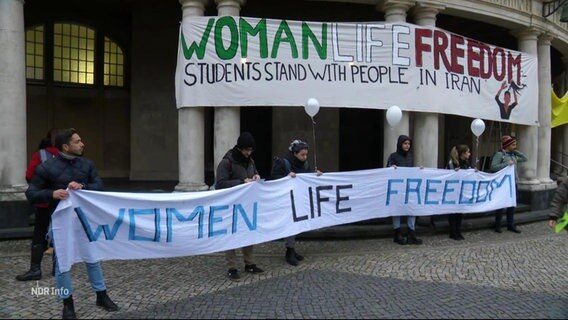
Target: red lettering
[[499, 71], [485, 72], [473, 55], [514, 62], [440, 46], [456, 53], [420, 46]]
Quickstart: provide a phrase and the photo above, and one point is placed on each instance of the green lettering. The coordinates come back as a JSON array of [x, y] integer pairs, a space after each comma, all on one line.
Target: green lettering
[[231, 51], [284, 28], [259, 30], [321, 48], [198, 49]]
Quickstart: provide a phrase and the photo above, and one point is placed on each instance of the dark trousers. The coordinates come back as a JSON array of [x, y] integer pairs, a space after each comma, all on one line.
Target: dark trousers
[[510, 212], [455, 221], [42, 218]]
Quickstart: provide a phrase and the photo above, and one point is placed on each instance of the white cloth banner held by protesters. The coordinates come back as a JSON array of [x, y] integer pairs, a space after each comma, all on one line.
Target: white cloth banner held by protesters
[[92, 226], [241, 61]]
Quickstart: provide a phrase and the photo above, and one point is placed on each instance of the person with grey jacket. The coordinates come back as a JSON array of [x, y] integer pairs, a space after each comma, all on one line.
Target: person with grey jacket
[[507, 156], [237, 167]]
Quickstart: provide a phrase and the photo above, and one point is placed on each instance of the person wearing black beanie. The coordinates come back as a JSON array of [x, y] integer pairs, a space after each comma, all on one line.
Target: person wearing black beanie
[[246, 140], [237, 167]]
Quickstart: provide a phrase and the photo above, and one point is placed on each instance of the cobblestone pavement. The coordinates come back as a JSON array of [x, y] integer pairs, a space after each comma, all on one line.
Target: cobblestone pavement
[[488, 275]]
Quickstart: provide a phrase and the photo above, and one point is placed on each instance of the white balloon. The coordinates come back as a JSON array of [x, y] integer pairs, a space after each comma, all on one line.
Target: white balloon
[[312, 107], [477, 127], [394, 114]]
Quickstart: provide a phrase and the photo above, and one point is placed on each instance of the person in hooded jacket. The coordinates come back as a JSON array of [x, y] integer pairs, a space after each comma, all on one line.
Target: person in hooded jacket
[[237, 167], [403, 158], [295, 161]]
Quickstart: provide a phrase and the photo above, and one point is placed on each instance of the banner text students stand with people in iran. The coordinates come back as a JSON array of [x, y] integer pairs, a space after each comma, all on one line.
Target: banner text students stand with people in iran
[[349, 65]]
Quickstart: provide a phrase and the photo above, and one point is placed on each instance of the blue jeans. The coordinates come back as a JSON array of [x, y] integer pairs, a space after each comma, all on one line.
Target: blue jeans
[[63, 279], [410, 221]]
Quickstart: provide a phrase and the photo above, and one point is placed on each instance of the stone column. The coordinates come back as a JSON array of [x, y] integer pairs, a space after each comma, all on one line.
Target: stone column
[[544, 109], [191, 128], [562, 131], [395, 11], [227, 125], [13, 158], [528, 135], [426, 124]]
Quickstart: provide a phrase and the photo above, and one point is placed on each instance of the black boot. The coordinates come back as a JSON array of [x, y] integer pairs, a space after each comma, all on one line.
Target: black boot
[[68, 309], [291, 256], [412, 237], [298, 256], [398, 237], [103, 300], [35, 266]]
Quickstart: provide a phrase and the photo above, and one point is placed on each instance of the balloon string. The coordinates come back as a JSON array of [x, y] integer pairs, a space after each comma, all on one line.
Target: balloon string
[[314, 136], [477, 152]]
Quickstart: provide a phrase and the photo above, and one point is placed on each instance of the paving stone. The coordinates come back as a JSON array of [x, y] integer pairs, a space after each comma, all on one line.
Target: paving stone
[[487, 276]]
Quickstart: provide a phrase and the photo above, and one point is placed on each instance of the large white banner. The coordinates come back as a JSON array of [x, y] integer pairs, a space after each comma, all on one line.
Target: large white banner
[[92, 226], [240, 61]]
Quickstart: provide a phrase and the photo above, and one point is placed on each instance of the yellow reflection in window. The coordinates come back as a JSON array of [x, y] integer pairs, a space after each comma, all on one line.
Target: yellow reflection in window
[[34, 52], [73, 53], [113, 65]]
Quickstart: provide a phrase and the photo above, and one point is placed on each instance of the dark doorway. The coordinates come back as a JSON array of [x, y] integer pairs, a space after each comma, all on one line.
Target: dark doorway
[[360, 139]]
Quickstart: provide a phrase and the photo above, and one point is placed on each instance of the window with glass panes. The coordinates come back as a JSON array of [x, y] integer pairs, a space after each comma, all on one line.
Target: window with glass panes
[[74, 55], [34, 53], [114, 64]]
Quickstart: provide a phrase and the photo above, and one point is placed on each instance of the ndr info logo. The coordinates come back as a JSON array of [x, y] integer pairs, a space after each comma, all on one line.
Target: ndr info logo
[[49, 291]]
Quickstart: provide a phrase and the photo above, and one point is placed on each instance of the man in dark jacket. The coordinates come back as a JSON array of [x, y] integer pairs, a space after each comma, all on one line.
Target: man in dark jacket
[[69, 170], [403, 158], [558, 204], [237, 167]]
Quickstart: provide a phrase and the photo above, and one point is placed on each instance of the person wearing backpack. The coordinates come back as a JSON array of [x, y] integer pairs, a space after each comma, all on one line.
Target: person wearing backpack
[[237, 167], [46, 150], [295, 161], [507, 156]]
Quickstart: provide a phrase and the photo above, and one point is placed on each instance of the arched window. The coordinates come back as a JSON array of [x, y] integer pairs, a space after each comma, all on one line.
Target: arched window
[[114, 64], [73, 53], [74, 56], [34, 53]]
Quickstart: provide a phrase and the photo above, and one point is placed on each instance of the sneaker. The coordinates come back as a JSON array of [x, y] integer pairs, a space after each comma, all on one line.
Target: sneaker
[[252, 268], [234, 275]]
